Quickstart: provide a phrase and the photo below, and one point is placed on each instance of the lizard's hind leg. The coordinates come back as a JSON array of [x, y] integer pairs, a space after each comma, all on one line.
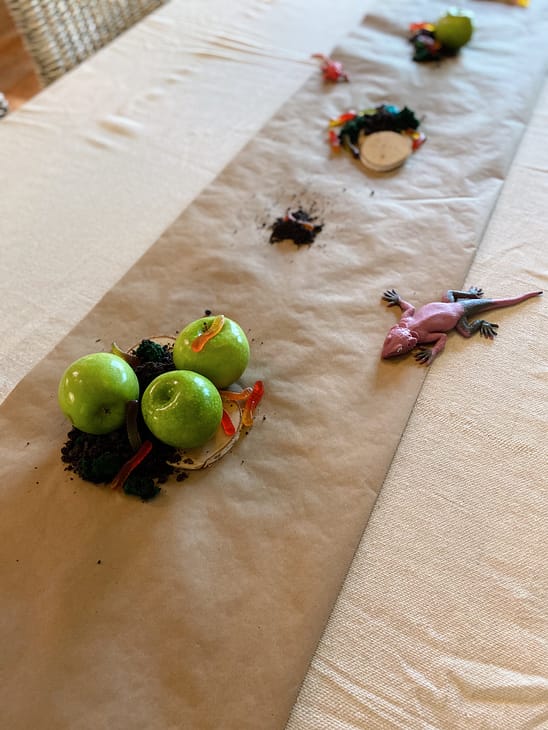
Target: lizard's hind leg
[[467, 329], [473, 293]]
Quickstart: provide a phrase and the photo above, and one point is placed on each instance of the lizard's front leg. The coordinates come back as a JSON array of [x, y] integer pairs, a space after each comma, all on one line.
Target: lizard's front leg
[[467, 329], [473, 293], [392, 297], [427, 355]]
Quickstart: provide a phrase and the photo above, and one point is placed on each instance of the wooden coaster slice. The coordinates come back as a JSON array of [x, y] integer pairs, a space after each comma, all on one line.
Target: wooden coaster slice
[[384, 151]]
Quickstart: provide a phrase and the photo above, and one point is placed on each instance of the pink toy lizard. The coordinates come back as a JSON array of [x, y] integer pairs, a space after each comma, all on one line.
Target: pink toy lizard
[[430, 323]]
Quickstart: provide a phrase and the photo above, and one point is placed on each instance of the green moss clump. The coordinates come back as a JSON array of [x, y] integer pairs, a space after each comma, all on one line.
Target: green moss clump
[[149, 351], [382, 118]]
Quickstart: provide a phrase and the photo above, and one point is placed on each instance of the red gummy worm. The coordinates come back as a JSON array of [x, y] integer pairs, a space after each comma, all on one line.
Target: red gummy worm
[[122, 476], [252, 403], [228, 426]]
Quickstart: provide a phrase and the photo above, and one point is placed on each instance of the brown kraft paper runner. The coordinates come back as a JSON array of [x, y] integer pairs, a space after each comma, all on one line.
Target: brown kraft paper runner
[[202, 608]]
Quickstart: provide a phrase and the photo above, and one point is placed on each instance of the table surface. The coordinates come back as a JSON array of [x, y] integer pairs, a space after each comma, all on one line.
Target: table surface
[[146, 125]]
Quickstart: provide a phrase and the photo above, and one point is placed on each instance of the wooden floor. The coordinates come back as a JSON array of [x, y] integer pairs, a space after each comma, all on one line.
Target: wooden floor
[[18, 79]]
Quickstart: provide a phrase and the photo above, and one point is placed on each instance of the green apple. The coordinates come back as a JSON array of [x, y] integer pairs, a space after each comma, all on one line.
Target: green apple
[[94, 390], [223, 358], [454, 29], [182, 408]]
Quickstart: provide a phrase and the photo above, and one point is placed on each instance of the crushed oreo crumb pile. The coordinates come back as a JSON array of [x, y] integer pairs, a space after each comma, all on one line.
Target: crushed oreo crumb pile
[[297, 226], [98, 459]]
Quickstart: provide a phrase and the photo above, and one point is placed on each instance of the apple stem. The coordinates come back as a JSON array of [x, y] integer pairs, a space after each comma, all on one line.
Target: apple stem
[[123, 475]]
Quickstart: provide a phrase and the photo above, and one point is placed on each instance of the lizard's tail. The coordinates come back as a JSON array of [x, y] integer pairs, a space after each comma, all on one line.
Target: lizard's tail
[[473, 306]]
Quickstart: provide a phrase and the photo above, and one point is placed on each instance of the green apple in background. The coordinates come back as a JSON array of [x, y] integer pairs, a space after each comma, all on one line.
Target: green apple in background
[[94, 390], [182, 408], [454, 29], [223, 359]]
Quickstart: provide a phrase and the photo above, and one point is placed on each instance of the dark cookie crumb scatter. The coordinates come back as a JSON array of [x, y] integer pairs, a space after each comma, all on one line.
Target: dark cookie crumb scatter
[[98, 459], [297, 226]]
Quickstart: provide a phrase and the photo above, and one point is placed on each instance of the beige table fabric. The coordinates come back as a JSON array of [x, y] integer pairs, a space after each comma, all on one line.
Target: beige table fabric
[[91, 674]]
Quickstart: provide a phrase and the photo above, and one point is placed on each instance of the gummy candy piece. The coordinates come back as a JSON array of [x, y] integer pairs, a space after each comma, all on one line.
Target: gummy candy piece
[[417, 138], [334, 140], [232, 395], [346, 117], [252, 403], [122, 476], [226, 423], [331, 70], [199, 342]]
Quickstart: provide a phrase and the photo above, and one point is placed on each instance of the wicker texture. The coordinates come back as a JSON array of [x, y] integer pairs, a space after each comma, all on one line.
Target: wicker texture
[[4, 106], [60, 34]]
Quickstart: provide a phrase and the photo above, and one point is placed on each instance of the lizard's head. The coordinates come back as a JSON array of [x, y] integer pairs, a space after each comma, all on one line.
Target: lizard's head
[[398, 341]]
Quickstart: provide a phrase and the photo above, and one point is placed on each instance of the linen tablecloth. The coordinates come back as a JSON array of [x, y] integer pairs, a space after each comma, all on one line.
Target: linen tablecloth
[[203, 608]]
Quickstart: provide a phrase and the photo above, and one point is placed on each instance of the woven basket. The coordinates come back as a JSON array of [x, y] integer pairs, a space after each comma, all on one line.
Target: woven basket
[[60, 34]]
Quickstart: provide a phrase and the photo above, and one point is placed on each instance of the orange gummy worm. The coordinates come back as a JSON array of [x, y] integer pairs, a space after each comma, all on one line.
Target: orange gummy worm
[[201, 340]]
